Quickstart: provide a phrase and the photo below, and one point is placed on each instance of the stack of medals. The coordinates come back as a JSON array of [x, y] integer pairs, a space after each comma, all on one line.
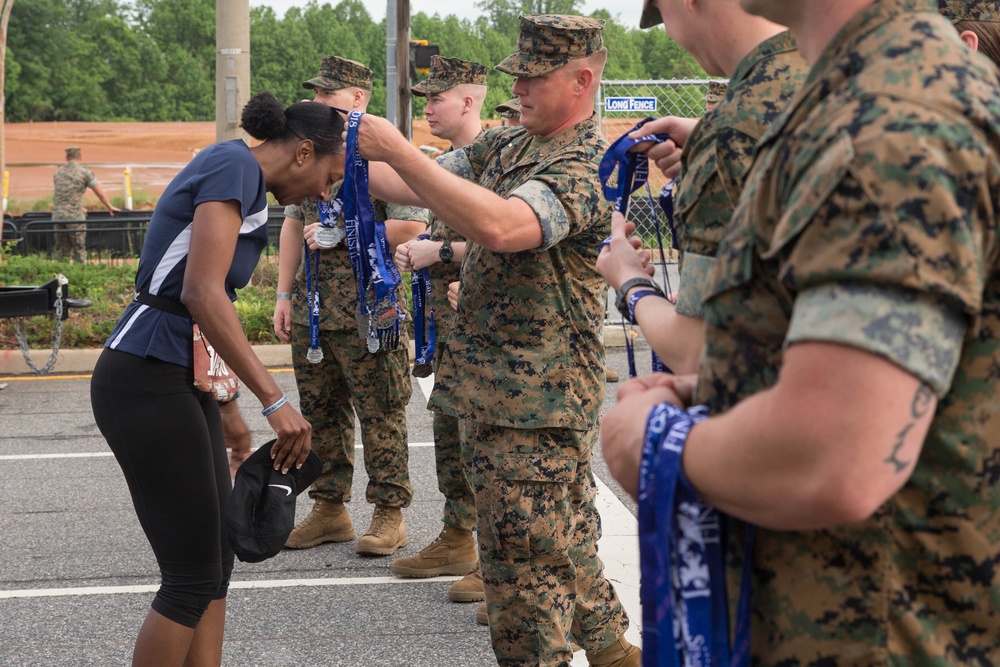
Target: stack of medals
[[633, 173], [378, 314]]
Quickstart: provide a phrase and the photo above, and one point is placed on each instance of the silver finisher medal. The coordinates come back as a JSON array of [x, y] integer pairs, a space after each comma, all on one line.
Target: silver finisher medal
[[329, 237], [314, 355], [373, 344]]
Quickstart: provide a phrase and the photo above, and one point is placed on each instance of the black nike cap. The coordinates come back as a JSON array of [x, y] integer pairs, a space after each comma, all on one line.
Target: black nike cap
[[261, 510]]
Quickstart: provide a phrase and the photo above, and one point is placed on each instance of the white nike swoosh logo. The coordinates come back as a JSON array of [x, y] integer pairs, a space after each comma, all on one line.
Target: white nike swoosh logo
[[288, 489]]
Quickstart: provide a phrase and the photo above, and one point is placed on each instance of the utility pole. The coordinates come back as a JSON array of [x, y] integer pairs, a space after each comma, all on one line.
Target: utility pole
[[5, 8], [232, 67], [397, 69]]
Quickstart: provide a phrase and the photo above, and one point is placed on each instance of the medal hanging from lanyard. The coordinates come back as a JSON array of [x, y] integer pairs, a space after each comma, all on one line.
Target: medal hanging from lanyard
[[423, 319], [328, 234], [328, 213], [682, 555], [374, 270], [633, 173]]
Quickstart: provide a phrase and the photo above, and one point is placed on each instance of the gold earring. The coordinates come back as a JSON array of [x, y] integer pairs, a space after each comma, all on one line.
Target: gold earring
[[300, 163]]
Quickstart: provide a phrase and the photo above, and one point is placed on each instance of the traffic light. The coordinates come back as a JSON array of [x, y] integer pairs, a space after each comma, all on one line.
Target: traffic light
[[420, 55]]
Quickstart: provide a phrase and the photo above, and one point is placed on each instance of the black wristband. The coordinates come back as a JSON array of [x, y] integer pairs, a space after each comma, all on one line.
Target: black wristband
[[622, 303]]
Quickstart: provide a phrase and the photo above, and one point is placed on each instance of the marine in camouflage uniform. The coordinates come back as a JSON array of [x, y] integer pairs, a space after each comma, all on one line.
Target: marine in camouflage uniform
[[459, 505], [350, 380], [718, 154], [524, 370], [869, 221], [71, 181]]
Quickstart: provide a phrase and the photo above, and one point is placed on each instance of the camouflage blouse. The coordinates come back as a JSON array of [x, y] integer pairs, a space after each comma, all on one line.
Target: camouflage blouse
[[526, 350], [869, 220]]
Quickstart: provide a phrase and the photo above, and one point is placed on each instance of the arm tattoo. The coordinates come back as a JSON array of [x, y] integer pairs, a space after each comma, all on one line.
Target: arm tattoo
[[918, 408]]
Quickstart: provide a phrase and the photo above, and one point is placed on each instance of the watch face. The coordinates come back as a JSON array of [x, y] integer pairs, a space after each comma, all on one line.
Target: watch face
[[445, 253]]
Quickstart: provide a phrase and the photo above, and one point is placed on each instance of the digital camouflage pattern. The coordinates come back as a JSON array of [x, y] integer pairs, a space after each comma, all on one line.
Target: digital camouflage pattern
[[526, 350], [446, 73], [510, 106], [718, 154], [70, 182], [546, 42], [970, 10], [715, 92], [350, 379], [877, 193], [538, 529], [523, 371], [459, 502], [336, 73]]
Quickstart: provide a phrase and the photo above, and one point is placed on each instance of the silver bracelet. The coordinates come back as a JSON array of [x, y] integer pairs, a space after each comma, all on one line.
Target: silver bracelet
[[277, 404], [283, 296]]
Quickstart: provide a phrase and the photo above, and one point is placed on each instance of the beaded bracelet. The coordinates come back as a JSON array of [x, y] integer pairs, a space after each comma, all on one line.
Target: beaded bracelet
[[277, 404]]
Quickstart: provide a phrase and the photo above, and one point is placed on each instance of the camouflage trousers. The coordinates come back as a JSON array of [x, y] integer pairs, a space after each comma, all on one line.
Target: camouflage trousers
[[459, 503], [538, 530], [69, 244], [351, 380]]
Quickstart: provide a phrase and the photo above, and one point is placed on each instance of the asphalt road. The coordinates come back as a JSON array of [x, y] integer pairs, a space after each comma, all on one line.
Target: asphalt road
[[77, 575]]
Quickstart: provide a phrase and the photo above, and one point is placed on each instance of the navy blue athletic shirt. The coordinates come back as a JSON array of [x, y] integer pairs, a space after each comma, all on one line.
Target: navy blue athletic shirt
[[222, 172]]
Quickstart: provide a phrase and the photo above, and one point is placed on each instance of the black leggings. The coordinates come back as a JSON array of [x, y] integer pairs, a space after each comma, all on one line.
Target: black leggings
[[167, 437]]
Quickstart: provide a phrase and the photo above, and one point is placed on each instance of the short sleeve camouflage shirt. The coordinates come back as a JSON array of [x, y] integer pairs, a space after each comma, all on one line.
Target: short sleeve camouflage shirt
[[526, 350], [71, 181], [719, 152], [877, 191]]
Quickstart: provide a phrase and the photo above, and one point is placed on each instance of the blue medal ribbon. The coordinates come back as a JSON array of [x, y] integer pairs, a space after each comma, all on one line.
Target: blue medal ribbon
[[682, 549], [315, 355], [633, 173], [374, 270], [423, 318]]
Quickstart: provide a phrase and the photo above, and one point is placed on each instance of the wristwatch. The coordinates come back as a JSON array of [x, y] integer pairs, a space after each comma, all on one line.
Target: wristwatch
[[622, 302], [445, 252]]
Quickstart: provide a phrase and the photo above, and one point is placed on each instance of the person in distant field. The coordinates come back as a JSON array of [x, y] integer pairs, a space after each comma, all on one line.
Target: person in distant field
[[71, 181], [349, 380], [510, 113], [455, 90]]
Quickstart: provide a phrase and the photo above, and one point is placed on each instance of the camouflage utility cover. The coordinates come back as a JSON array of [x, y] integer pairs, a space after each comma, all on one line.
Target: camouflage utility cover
[[548, 41], [337, 287], [869, 219], [71, 181], [970, 10], [336, 73], [446, 73], [718, 154], [510, 106], [715, 92], [527, 350]]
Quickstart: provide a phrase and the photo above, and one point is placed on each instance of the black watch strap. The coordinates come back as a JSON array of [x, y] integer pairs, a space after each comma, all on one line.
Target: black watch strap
[[622, 303], [445, 252]]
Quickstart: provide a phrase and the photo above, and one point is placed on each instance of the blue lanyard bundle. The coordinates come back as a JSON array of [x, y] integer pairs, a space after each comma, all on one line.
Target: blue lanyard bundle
[[633, 173], [375, 272], [682, 554], [423, 318]]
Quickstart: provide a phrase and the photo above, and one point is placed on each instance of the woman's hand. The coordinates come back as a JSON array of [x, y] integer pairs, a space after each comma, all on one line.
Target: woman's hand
[[294, 438]]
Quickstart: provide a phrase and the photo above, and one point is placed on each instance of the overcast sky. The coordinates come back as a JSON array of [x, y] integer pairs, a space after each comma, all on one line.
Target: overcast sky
[[627, 15]]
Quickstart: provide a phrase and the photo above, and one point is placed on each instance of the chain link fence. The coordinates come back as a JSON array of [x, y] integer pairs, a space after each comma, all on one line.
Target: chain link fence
[[622, 104]]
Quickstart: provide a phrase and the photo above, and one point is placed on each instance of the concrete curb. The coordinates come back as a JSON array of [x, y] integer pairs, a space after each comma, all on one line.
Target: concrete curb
[[70, 362]]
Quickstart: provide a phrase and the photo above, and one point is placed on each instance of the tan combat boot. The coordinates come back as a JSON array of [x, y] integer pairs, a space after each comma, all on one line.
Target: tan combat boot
[[386, 534], [482, 616], [469, 588], [327, 522], [610, 375], [453, 552], [618, 654]]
